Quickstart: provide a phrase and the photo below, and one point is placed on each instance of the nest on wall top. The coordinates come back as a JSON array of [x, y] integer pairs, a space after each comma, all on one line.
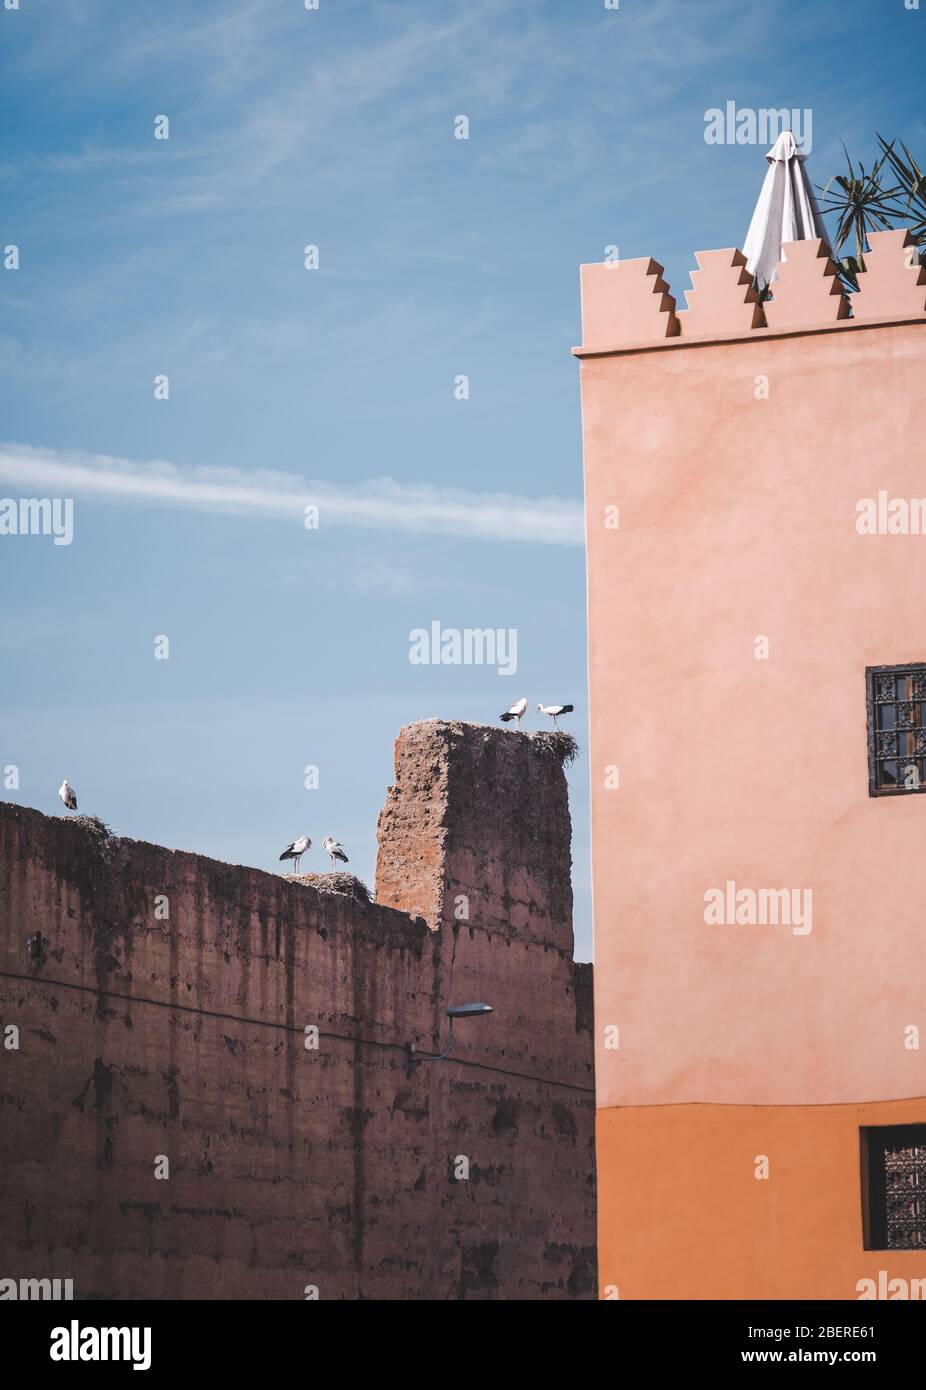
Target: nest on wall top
[[556, 743], [348, 884]]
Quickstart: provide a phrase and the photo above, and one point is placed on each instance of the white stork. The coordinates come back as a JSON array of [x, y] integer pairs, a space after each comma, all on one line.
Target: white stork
[[66, 792], [516, 712], [297, 849], [334, 851], [555, 711]]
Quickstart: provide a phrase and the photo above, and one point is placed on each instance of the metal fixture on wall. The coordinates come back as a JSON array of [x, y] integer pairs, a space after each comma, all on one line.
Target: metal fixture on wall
[[414, 1058]]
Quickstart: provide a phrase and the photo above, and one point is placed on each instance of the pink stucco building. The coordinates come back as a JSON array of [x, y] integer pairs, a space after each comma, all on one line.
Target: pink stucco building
[[757, 617]]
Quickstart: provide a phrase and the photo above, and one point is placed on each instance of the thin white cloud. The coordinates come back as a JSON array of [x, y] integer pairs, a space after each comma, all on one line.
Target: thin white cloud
[[379, 504]]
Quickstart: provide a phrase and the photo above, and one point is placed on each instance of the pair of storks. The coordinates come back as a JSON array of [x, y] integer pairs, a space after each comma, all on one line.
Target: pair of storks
[[519, 709], [299, 846]]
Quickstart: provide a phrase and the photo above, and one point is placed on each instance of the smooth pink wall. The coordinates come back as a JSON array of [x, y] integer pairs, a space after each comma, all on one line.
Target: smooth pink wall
[[738, 518]]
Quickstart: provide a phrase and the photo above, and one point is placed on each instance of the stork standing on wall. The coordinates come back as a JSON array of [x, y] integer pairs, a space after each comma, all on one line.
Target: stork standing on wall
[[66, 792], [297, 849], [516, 712], [334, 851], [555, 711]]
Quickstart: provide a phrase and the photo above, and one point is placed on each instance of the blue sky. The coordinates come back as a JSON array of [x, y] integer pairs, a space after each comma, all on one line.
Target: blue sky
[[437, 257]]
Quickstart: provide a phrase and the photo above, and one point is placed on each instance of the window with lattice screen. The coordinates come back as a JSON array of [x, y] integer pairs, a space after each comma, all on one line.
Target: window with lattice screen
[[894, 1187], [896, 729]]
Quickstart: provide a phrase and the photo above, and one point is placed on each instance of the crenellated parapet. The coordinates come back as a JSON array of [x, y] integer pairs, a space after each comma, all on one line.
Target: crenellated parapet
[[893, 283], [628, 305], [627, 299], [723, 297], [808, 290]]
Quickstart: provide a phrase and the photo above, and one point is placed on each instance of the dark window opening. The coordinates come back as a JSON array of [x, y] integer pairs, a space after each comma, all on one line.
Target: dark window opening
[[896, 729], [894, 1187]]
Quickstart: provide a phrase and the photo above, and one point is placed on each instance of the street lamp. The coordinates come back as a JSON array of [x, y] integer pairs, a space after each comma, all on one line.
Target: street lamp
[[414, 1058]]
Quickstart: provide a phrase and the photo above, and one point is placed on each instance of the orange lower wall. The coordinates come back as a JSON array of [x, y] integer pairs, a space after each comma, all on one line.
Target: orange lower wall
[[681, 1214]]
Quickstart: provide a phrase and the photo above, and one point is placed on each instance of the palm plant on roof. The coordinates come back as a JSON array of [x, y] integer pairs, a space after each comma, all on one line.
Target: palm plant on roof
[[862, 205], [911, 186]]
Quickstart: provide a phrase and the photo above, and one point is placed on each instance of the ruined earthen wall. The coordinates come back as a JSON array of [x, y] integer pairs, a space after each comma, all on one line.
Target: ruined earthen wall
[[289, 1166]]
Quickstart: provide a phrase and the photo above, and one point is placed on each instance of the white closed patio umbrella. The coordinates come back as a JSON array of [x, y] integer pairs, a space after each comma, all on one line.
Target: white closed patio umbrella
[[786, 211]]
